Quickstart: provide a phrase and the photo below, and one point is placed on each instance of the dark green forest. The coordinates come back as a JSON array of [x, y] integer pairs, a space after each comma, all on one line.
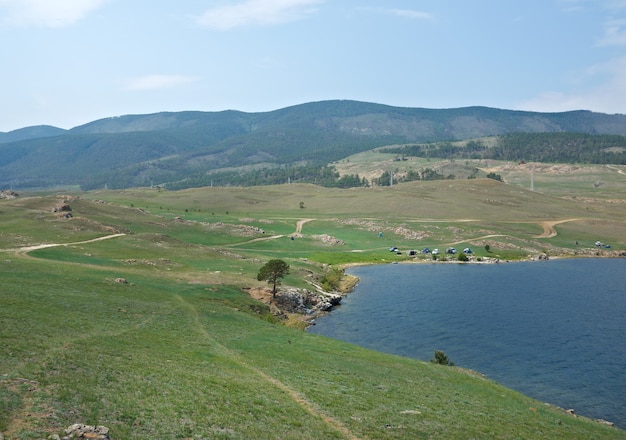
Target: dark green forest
[[190, 149], [532, 147]]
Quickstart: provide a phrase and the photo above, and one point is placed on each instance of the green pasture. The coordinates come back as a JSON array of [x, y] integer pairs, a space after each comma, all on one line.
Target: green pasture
[[156, 358], [561, 180], [592, 181], [180, 350]]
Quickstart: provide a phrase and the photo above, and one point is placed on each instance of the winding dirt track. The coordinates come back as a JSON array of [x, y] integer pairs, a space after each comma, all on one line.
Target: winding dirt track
[[26, 249], [548, 232], [301, 223], [548, 227], [297, 397], [298, 230]]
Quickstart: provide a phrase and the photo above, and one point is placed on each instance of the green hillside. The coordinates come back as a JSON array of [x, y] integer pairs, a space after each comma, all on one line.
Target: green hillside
[[30, 133], [573, 148], [133, 309], [193, 149]]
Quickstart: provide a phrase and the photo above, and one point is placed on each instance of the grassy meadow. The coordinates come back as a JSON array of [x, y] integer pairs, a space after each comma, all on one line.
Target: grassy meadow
[[180, 350]]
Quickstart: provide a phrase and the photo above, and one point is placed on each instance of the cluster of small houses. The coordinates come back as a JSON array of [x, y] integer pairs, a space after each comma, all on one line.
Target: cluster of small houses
[[426, 250]]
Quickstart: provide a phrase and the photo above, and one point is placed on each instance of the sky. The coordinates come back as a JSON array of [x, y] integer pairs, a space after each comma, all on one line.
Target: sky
[[68, 62]]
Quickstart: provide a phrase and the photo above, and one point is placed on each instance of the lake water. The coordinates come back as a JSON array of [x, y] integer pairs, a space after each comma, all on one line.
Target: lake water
[[553, 330]]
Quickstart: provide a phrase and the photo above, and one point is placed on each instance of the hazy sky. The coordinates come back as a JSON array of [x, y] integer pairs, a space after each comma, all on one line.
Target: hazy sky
[[68, 62]]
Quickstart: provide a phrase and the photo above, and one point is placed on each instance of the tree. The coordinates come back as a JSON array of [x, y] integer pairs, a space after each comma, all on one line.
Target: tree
[[494, 176], [441, 358], [272, 272]]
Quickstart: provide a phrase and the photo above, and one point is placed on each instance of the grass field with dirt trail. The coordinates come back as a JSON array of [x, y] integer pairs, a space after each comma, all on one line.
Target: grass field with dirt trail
[[132, 312]]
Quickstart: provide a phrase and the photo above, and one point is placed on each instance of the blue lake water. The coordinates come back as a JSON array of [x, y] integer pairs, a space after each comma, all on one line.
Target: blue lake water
[[553, 330]]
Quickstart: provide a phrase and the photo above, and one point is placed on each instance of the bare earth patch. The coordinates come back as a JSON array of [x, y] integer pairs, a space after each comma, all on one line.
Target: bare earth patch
[[548, 227]]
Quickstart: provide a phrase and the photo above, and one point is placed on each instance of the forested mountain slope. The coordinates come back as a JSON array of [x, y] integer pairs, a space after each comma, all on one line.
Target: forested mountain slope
[[182, 149]]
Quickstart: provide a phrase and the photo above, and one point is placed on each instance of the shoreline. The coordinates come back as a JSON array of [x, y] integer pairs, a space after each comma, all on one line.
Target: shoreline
[[303, 318], [566, 409], [492, 260], [472, 260]]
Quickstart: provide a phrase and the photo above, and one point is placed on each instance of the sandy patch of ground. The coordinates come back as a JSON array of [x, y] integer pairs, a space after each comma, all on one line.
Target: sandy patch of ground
[[548, 227], [262, 294]]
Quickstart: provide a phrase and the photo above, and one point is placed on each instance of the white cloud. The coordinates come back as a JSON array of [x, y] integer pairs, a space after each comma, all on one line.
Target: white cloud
[[616, 5], [409, 13], [574, 5], [605, 92], [614, 33], [46, 13], [157, 82], [257, 12]]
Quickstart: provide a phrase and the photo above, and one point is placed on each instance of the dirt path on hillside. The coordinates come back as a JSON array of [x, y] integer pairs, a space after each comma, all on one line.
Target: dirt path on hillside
[[548, 227], [472, 239], [619, 171], [301, 223], [26, 249], [298, 230], [254, 240], [293, 394]]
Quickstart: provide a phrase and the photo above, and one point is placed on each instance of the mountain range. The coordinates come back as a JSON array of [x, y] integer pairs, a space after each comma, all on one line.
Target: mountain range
[[171, 148]]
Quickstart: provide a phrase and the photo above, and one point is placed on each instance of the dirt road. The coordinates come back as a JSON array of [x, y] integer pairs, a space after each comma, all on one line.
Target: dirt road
[[548, 227], [26, 249]]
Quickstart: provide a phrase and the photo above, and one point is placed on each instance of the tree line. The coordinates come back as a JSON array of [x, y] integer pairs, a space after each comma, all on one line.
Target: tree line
[[322, 175], [535, 147], [317, 174]]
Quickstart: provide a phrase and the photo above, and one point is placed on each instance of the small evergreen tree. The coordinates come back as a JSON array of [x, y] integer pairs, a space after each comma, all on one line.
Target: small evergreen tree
[[272, 272], [494, 176], [441, 358]]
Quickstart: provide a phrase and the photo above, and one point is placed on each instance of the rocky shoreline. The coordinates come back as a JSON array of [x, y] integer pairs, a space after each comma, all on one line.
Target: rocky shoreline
[[304, 305]]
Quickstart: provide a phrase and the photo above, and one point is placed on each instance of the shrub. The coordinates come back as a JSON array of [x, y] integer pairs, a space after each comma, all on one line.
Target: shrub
[[441, 358], [330, 281]]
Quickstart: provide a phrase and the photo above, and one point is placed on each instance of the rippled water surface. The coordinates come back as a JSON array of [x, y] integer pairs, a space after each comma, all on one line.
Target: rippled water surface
[[553, 330]]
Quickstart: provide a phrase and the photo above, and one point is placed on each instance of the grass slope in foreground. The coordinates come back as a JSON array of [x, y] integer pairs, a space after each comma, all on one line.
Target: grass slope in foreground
[[180, 351], [156, 358]]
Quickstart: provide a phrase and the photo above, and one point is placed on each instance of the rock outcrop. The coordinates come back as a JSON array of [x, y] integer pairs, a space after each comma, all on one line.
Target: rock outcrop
[[78, 431], [305, 301], [62, 208], [8, 194]]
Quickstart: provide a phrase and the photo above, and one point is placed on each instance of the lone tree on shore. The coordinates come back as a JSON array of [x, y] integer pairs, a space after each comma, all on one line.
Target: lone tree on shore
[[441, 358], [272, 272]]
